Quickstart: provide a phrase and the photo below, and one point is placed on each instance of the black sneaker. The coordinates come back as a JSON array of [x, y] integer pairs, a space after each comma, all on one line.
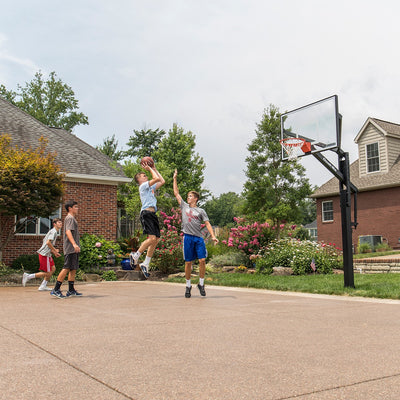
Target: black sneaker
[[71, 293], [57, 293], [202, 290], [187, 293]]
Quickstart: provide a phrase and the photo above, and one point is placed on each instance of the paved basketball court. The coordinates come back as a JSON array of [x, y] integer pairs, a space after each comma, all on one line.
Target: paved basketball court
[[145, 341]]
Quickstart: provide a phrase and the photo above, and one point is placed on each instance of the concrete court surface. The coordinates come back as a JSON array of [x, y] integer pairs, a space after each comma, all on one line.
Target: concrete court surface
[[145, 341]]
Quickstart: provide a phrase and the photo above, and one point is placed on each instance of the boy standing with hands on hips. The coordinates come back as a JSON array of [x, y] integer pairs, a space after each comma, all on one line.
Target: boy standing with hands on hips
[[194, 246]]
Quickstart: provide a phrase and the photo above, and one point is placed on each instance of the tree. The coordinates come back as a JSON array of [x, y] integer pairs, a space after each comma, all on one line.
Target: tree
[[110, 148], [175, 150], [275, 189], [31, 183], [144, 143], [51, 102], [221, 210]]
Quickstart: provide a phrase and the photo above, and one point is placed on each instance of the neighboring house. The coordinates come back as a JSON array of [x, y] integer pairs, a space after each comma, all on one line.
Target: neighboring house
[[312, 230], [376, 174], [90, 180]]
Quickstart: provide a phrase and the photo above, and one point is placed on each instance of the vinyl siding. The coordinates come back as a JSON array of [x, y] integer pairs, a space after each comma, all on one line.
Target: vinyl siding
[[372, 135]]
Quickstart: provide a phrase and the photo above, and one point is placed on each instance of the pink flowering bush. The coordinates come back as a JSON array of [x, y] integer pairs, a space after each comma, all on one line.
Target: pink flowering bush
[[252, 237], [168, 255]]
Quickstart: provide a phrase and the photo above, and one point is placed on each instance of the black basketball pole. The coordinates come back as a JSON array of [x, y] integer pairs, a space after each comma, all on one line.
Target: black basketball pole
[[345, 207]]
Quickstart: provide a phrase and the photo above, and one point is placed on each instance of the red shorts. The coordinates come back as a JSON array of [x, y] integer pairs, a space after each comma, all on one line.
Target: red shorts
[[45, 263]]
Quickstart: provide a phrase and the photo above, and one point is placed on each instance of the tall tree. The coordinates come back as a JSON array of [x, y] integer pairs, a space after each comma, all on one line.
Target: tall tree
[[221, 210], [144, 143], [31, 183], [50, 101], [275, 189], [177, 150], [110, 148]]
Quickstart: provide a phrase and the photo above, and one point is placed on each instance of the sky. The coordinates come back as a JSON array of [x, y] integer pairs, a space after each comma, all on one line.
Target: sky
[[212, 67]]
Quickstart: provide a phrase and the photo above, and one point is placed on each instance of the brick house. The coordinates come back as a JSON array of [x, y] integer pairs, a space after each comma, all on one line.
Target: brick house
[[376, 174], [90, 180]]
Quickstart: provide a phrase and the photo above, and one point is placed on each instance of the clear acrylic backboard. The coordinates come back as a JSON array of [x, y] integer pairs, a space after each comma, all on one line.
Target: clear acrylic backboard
[[318, 123]]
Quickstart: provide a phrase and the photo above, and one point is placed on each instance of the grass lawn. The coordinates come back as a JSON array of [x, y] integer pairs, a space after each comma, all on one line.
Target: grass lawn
[[385, 286]]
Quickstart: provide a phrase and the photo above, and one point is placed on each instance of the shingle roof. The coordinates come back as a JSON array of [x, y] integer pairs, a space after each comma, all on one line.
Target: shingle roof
[[75, 157], [389, 127], [375, 181], [366, 183]]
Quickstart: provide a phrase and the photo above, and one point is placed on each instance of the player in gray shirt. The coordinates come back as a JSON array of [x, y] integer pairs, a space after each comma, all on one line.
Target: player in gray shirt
[[194, 246]]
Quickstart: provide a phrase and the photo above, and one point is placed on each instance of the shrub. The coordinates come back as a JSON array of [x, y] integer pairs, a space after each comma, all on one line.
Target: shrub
[[382, 247], [94, 251], [168, 253], [109, 275], [232, 258], [30, 262], [298, 255], [264, 266], [364, 248]]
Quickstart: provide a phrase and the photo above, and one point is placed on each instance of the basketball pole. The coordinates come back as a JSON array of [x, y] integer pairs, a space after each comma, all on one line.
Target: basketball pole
[[345, 189]]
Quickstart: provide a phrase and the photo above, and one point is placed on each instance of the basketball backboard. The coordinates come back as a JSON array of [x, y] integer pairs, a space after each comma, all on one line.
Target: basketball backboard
[[317, 123]]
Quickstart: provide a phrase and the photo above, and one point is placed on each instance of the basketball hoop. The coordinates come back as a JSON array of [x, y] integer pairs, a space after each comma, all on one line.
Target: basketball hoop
[[295, 147]]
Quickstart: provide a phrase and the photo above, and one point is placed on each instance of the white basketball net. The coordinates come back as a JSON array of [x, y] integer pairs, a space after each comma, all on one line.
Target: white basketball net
[[292, 147]]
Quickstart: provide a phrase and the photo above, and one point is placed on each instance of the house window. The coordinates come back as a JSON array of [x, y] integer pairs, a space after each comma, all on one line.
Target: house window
[[327, 211], [33, 225], [313, 233], [372, 157]]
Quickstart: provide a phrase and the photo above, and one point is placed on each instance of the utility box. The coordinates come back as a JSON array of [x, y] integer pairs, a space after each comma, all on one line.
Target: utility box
[[372, 240]]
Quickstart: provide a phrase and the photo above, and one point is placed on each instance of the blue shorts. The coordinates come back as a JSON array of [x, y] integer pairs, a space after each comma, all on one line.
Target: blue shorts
[[194, 248]]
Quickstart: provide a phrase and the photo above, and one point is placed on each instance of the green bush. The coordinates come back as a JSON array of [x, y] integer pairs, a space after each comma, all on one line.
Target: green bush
[[298, 255], [30, 262], [94, 250], [382, 247], [364, 248], [168, 253], [264, 266], [231, 258], [109, 275]]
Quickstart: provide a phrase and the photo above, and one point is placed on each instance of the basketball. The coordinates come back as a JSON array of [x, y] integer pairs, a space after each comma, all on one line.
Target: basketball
[[147, 160]]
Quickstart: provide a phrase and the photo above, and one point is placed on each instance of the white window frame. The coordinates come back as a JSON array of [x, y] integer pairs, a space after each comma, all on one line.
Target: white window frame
[[367, 159], [326, 211], [38, 221]]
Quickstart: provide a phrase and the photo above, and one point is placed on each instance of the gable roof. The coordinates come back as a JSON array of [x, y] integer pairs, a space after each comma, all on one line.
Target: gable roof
[[80, 161], [372, 181], [385, 127]]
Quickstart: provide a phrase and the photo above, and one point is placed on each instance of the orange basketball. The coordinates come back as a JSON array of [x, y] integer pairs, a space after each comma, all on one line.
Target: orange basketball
[[147, 160]]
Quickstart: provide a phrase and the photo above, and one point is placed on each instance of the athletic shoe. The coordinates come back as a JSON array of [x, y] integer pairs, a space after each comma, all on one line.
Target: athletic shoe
[[45, 288], [133, 260], [71, 293], [145, 270], [24, 278], [202, 290], [57, 293], [188, 292]]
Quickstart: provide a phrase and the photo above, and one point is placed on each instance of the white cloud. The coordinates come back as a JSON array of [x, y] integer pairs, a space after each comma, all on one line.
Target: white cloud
[[212, 67]]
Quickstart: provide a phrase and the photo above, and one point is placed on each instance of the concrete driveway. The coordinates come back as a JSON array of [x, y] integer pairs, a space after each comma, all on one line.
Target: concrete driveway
[[145, 341]]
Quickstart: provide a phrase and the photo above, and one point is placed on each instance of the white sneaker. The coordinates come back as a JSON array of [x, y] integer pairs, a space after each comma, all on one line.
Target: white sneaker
[[44, 288], [24, 278], [133, 260]]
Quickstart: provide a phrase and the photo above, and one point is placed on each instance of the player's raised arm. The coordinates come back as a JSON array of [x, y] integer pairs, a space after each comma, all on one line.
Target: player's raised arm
[[161, 181], [175, 186]]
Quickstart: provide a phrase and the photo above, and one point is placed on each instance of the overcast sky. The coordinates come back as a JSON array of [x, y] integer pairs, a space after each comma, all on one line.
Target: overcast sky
[[212, 67]]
